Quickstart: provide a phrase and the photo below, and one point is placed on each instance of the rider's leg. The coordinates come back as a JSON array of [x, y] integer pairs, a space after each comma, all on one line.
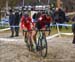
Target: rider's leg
[[34, 39], [34, 36], [23, 30], [31, 41], [25, 34], [44, 31]]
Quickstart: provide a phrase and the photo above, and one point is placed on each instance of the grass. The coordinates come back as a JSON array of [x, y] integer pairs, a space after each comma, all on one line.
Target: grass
[[54, 30], [3, 27]]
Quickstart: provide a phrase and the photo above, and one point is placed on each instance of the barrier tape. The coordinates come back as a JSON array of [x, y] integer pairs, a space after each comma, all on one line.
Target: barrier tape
[[57, 24], [60, 24], [67, 33], [14, 26], [50, 25], [64, 24], [1, 30], [12, 39]]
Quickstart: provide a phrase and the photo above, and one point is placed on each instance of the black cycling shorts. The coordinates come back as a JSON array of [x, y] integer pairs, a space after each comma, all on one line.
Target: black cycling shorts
[[38, 26]]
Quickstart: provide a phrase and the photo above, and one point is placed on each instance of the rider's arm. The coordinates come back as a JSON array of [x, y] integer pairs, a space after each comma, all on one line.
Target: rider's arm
[[22, 22]]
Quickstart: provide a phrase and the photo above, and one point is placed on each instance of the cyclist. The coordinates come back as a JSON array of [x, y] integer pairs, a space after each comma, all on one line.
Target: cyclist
[[25, 22], [41, 21], [34, 32], [40, 25], [27, 25]]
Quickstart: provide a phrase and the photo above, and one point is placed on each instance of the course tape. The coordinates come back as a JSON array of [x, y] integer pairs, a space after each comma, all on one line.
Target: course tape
[[60, 24], [14, 26], [12, 39], [50, 25], [67, 33], [64, 24], [1, 30]]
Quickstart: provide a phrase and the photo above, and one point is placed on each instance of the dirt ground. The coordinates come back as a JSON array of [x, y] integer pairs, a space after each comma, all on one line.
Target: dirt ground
[[59, 50]]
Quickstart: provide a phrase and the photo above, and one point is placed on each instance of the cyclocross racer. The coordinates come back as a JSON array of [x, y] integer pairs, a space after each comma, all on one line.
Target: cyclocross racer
[[27, 25]]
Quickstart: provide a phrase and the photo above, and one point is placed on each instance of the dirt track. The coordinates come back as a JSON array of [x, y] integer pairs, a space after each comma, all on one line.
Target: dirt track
[[59, 50]]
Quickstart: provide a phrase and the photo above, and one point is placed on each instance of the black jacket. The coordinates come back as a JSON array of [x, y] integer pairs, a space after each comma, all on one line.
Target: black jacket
[[17, 18]]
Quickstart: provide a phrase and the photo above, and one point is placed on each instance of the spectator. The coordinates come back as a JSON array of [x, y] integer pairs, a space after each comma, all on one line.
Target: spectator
[[60, 17], [73, 29], [20, 15], [11, 22], [16, 23], [73, 19], [56, 16]]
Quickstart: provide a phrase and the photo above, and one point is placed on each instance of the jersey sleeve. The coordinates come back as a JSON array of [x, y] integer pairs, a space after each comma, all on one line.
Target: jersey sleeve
[[22, 22]]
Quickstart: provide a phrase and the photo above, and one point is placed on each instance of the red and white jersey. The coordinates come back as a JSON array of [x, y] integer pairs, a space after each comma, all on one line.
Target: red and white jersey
[[26, 22], [42, 20]]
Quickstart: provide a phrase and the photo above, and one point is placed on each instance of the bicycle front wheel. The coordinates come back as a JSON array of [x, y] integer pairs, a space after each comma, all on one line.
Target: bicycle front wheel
[[42, 46]]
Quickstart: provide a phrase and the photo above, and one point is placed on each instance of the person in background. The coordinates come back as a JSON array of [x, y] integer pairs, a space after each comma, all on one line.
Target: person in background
[[49, 20], [11, 22], [34, 19], [73, 29], [16, 23], [56, 16], [60, 17]]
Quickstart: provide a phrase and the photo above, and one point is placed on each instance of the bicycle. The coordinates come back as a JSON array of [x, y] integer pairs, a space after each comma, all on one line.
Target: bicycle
[[42, 43]]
